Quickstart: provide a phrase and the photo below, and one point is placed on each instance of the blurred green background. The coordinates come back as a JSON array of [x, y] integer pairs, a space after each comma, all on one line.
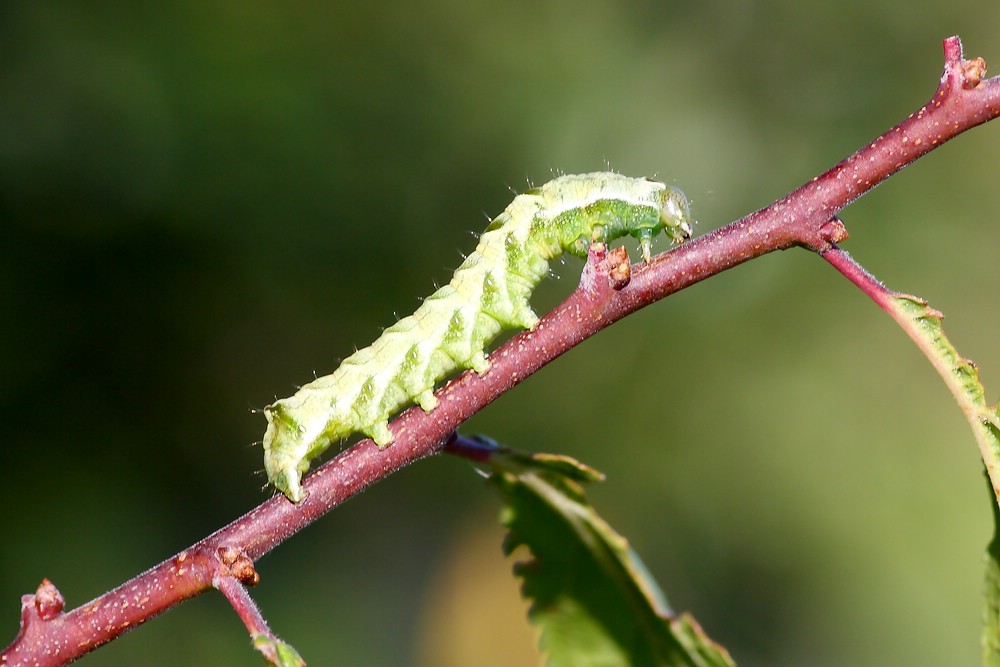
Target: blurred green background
[[204, 203]]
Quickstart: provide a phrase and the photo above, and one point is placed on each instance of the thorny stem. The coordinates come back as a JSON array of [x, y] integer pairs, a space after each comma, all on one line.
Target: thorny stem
[[804, 217]]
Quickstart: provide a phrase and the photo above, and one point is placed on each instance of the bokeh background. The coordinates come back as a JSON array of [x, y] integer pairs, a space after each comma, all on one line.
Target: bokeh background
[[205, 203]]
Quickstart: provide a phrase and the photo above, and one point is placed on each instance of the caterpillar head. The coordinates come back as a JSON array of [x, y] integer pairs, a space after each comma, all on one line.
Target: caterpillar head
[[674, 220], [675, 214]]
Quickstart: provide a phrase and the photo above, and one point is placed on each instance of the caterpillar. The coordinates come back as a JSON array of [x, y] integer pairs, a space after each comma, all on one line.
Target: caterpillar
[[451, 329]]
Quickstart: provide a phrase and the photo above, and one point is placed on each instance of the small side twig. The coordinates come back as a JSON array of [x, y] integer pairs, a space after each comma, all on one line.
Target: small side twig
[[243, 604], [236, 573]]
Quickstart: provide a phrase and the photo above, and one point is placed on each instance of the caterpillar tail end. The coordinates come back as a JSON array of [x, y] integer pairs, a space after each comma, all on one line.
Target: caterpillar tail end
[[289, 482], [284, 455]]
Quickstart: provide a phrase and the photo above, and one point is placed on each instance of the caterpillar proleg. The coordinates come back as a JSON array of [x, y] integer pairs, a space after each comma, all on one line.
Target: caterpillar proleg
[[451, 329]]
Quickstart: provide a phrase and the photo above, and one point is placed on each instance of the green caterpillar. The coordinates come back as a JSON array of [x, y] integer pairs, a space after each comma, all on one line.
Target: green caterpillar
[[450, 330]]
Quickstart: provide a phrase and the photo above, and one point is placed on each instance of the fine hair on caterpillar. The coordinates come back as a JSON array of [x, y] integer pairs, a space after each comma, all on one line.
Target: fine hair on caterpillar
[[450, 330]]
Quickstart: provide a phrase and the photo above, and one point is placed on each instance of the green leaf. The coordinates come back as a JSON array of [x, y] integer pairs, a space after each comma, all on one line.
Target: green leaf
[[991, 615], [276, 652], [592, 597], [961, 376]]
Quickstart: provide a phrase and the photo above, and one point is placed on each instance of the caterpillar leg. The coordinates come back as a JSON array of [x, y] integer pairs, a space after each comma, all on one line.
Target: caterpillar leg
[[427, 400], [479, 363], [645, 243], [380, 433]]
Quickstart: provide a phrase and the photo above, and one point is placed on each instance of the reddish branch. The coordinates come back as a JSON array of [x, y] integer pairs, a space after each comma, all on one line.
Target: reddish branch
[[806, 217]]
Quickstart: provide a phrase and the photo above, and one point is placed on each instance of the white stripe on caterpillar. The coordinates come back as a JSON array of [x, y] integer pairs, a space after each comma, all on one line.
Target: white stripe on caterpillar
[[451, 329]]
